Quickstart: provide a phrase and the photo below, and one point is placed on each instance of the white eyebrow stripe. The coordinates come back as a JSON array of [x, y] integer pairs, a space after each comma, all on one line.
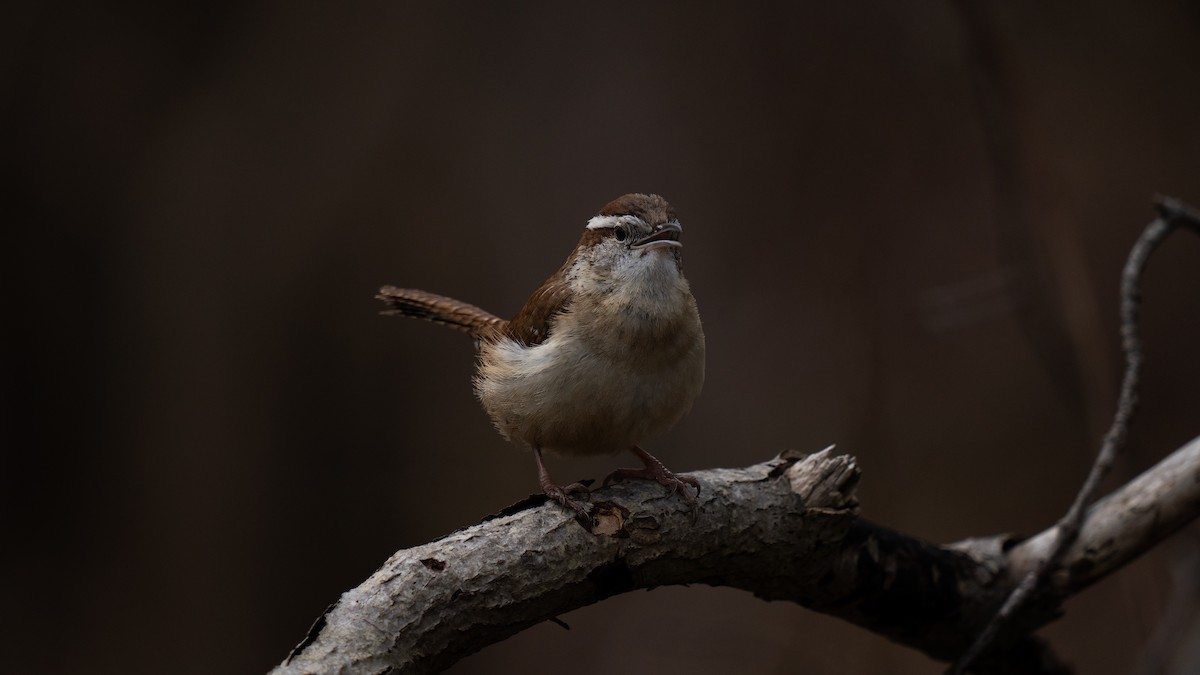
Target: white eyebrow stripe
[[600, 222]]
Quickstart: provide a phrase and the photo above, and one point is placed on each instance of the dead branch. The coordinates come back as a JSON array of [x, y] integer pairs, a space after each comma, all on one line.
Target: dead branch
[[787, 529], [1172, 215]]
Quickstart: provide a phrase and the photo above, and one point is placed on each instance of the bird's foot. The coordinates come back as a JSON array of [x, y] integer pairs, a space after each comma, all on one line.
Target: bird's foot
[[656, 471], [561, 494]]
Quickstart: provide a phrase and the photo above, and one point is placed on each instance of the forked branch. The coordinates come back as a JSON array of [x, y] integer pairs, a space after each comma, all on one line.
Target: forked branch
[[786, 529]]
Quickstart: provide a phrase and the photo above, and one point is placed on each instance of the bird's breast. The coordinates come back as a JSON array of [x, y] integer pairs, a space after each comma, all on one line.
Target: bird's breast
[[608, 377]]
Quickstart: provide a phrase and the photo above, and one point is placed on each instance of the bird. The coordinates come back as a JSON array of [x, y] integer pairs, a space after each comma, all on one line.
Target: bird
[[606, 353]]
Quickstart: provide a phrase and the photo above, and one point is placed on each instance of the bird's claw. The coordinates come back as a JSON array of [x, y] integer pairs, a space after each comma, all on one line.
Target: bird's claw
[[664, 477], [561, 494]]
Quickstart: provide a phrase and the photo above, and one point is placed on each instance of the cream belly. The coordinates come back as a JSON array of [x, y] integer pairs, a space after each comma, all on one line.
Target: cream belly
[[578, 395]]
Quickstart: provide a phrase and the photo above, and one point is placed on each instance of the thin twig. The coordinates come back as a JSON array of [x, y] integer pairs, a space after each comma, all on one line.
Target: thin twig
[[1172, 213]]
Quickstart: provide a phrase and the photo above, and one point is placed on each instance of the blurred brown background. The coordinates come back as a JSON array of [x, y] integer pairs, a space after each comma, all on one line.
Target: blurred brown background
[[905, 224]]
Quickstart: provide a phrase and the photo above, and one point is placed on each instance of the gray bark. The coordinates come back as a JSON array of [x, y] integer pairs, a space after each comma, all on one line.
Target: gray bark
[[787, 529]]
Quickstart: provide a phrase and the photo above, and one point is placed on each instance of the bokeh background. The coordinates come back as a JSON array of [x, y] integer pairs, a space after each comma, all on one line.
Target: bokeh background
[[905, 224]]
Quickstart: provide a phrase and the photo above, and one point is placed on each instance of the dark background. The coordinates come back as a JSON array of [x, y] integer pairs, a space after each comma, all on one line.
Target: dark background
[[905, 224]]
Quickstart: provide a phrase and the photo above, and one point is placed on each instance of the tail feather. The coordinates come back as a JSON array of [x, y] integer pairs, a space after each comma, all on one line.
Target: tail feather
[[439, 309]]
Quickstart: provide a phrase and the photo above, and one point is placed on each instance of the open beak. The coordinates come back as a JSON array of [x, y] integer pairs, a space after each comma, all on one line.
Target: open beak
[[664, 236]]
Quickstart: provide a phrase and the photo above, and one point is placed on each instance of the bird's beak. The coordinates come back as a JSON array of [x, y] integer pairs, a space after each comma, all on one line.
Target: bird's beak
[[664, 236]]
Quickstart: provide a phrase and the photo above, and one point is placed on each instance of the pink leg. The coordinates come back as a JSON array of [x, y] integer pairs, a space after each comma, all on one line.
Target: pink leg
[[656, 471], [557, 493]]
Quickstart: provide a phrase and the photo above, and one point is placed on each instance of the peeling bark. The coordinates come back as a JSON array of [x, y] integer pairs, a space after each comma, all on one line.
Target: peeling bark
[[787, 529]]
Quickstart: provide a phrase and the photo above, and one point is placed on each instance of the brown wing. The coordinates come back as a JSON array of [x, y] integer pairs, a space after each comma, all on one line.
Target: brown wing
[[439, 309], [531, 325]]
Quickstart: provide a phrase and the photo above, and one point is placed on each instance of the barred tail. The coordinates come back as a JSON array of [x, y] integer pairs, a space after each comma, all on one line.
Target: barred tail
[[439, 309]]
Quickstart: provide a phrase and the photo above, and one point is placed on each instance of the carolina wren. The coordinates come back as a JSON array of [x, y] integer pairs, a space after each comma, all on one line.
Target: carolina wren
[[606, 353]]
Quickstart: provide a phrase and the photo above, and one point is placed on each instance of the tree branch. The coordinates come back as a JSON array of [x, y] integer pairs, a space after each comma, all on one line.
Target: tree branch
[[786, 529], [1172, 214]]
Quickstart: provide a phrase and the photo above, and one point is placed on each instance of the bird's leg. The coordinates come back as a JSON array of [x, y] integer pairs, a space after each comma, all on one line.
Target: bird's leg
[[560, 493], [656, 471]]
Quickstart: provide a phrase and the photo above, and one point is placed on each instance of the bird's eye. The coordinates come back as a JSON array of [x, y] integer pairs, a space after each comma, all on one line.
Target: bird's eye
[[619, 233]]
